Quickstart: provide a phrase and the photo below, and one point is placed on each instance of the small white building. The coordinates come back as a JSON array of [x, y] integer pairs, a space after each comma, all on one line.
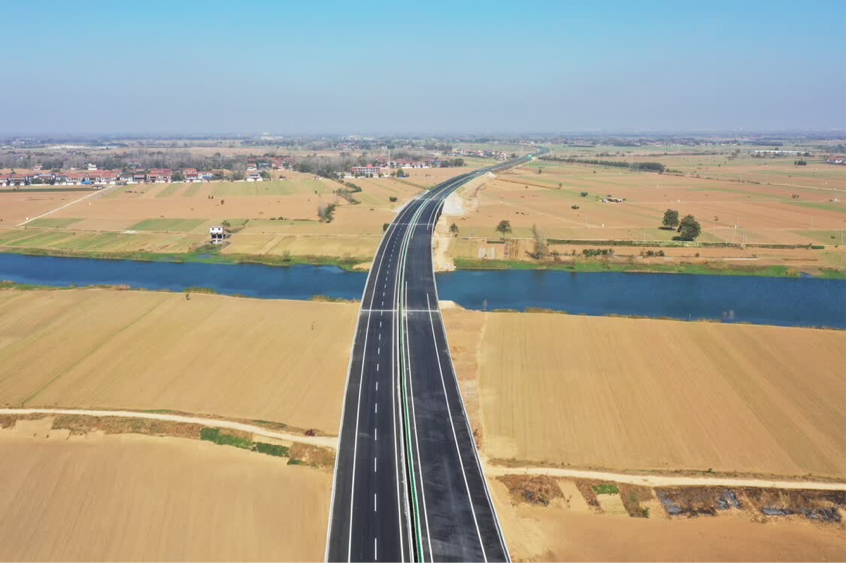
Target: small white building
[[218, 234], [254, 177]]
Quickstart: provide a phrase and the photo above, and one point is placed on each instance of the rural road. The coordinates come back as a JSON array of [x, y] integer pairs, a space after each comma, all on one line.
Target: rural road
[[492, 470], [324, 442], [408, 481]]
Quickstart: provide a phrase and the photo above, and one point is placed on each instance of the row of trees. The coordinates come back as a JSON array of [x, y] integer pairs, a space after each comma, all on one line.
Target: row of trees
[[637, 166], [688, 227]]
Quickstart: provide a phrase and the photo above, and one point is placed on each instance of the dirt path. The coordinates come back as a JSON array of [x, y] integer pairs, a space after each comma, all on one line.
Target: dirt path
[[325, 442], [662, 480], [97, 193]]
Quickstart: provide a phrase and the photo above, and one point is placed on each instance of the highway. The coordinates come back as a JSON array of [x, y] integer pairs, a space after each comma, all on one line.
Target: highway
[[408, 482]]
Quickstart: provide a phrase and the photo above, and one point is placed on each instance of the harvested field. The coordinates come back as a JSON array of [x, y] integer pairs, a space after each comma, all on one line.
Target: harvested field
[[632, 394], [112, 498], [18, 206], [279, 361], [728, 211]]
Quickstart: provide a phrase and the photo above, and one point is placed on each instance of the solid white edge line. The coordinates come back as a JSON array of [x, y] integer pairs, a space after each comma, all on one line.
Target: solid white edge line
[[349, 376], [455, 437], [416, 440], [467, 419]]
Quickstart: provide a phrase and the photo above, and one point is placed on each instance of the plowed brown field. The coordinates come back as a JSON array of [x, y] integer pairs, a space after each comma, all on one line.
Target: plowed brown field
[[139, 498], [281, 361], [632, 394]]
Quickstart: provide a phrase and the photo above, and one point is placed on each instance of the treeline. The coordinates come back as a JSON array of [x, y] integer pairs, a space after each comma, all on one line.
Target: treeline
[[637, 166], [328, 166], [347, 192]]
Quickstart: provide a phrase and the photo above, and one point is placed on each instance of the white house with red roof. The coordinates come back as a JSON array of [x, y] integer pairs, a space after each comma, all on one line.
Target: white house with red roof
[[160, 176]]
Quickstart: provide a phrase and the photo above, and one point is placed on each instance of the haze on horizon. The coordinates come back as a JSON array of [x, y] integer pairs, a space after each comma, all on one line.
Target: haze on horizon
[[194, 68]]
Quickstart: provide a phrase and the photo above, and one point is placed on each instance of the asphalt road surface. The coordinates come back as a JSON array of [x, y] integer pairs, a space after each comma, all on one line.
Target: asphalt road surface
[[408, 482]]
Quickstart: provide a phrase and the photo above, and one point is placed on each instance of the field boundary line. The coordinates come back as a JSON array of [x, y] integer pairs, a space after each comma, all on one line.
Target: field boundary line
[[664, 480], [320, 441]]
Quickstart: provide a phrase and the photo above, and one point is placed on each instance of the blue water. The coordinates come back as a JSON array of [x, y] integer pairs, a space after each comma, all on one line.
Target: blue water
[[250, 280], [775, 301]]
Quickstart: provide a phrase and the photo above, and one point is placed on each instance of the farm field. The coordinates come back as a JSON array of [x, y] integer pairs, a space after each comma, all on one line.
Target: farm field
[[141, 498], [653, 395], [274, 218], [279, 361], [729, 212], [18, 206]]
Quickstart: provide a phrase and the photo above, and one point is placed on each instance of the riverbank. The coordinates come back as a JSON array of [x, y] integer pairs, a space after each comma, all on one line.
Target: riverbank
[[770, 300], [702, 269], [212, 255], [203, 255]]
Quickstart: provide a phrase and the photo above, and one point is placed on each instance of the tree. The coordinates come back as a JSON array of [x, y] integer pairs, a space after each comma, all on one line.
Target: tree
[[504, 228], [541, 244], [689, 228], [453, 230], [671, 219]]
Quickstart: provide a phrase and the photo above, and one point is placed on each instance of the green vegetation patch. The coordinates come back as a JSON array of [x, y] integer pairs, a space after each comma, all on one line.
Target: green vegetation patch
[[192, 190], [180, 225], [832, 274], [270, 188], [50, 223], [591, 266], [272, 449], [170, 190], [223, 439], [822, 206], [606, 489]]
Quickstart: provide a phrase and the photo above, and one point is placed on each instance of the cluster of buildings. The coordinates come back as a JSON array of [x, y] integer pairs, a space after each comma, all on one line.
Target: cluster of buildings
[[94, 177], [836, 160], [779, 152], [499, 155], [383, 167], [110, 177]]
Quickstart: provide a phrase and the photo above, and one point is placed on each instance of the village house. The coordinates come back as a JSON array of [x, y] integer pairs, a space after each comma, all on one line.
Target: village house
[[18, 179], [368, 170], [160, 176], [218, 234], [92, 167], [77, 178], [190, 175], [44, 178], [139, 177], [4, 179], [251, 166], [105, 177], [60, 179], [836, 160], [206, 176], [127, 176], [254, 177]]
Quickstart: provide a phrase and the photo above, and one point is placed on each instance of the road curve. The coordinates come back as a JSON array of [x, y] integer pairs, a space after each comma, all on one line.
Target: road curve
[[408, 481]]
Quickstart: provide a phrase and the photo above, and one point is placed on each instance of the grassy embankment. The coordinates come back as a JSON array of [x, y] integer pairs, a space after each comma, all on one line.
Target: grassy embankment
[[203, 255], [592, 266]]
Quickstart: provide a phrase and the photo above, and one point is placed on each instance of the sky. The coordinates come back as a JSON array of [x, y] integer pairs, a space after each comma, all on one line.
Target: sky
[[89, 67]]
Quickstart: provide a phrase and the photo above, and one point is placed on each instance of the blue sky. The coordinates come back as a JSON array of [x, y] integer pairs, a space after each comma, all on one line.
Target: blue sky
[[363, 67]]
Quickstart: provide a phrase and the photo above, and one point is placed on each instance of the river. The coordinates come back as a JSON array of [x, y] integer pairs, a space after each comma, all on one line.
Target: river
[[757, 300]]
